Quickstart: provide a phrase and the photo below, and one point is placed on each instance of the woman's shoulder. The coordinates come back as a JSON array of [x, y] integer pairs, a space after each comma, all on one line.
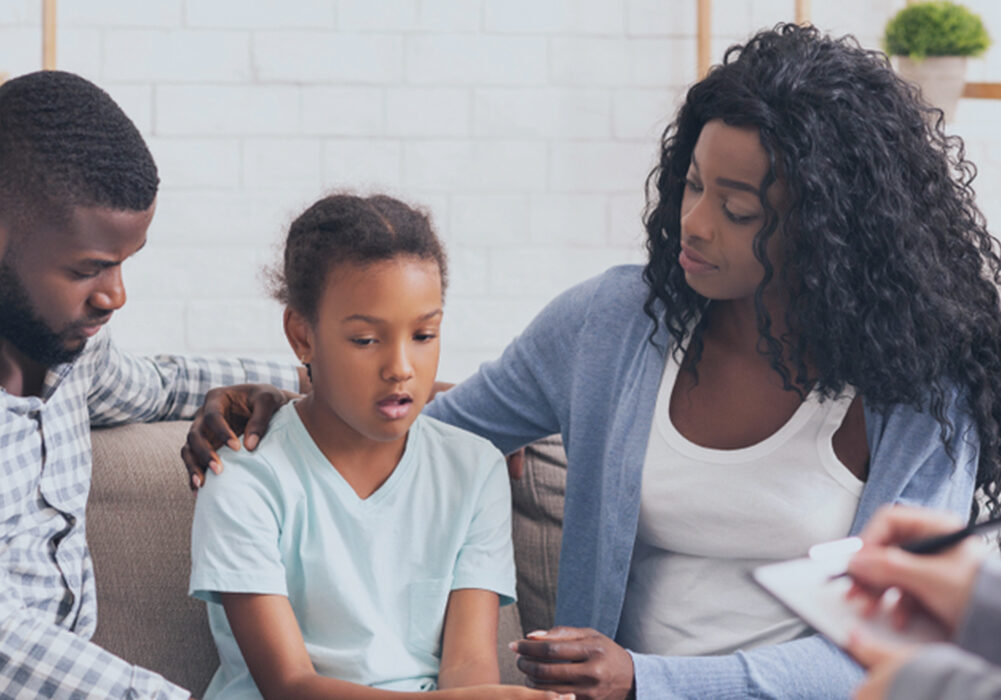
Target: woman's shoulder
[[616, 295], [893, 420], [622, 284]]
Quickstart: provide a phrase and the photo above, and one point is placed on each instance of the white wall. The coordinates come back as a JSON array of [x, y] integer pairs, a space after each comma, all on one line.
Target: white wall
[[526, 126]]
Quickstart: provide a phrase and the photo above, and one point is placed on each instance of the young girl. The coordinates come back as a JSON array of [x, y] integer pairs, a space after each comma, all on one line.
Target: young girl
[[361, 549]]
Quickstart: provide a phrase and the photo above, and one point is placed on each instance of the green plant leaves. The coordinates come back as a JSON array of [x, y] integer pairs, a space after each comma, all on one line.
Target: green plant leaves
[[935, 29]]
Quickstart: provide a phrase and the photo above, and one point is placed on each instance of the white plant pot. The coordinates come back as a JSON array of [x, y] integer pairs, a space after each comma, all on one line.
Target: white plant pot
[[941, 79]]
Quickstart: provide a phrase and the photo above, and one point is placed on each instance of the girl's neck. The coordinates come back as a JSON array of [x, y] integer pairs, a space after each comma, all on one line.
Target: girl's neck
[[364, 463]]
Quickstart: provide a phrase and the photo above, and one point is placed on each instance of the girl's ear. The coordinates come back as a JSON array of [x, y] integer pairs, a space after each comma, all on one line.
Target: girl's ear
[[299, 332]]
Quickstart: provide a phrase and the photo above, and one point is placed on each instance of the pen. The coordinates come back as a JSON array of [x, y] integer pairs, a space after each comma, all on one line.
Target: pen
[[938, 543], [934, 545]]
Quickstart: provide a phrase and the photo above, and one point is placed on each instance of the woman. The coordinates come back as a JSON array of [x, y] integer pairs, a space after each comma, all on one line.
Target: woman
[[816, 333]]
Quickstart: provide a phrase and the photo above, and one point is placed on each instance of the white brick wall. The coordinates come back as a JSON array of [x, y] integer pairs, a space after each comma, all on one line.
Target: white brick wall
[[526, 127]]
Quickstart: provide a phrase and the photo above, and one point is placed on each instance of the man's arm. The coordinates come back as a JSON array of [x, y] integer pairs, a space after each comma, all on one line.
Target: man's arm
[[127, 388], [39, 659]]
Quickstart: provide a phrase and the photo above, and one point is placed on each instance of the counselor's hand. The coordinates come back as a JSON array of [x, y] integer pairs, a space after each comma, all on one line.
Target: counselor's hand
[[228, 412], [575, 660], [940, 584], [882, 660]]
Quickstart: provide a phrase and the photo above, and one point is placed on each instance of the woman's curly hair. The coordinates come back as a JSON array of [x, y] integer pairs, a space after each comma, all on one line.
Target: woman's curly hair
[[891, 271]]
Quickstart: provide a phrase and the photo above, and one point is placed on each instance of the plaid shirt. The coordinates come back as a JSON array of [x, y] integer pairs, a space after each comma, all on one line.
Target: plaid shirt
[[48, 608]]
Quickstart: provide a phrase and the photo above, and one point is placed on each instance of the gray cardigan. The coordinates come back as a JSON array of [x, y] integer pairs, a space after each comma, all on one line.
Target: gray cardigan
[[585, 368], [945, 670]]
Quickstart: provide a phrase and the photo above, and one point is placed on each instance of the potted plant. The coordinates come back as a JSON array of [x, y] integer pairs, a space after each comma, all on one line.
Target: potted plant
[[931, 41]]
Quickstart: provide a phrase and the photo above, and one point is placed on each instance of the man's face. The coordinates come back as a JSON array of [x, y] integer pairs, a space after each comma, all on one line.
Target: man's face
[[60, 283]]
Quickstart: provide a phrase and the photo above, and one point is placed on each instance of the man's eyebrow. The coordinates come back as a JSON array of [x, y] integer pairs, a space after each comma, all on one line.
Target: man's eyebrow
[[375, 320], [104, 263]]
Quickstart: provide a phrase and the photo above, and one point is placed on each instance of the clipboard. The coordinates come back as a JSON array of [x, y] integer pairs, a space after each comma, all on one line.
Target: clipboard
[[805, 587]]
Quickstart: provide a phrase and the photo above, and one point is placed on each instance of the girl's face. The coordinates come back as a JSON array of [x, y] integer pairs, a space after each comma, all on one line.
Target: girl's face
[[721, 212], [374, 348]]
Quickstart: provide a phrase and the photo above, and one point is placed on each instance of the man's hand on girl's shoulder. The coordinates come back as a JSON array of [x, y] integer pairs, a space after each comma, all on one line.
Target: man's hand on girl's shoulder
[[228, 413]]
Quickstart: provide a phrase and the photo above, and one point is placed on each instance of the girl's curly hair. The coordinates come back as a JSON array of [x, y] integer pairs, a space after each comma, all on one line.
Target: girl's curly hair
[[892, 274]]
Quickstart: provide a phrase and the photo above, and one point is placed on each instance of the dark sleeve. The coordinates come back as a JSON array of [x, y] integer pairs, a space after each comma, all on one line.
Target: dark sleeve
[[945, 671]]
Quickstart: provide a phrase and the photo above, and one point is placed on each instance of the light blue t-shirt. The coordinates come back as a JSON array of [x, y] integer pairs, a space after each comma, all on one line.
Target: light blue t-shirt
[[368, 579]]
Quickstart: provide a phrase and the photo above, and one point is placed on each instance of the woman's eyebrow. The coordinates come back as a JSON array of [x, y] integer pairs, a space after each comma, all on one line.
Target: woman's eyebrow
[[736, 185], [727, 182]]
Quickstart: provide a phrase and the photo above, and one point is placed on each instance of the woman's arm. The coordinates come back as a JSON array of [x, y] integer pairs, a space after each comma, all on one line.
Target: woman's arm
[[269, 638], [469, 639]]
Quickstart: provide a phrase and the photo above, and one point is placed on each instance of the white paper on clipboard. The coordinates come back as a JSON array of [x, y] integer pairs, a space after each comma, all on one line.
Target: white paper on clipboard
[[805, 587]]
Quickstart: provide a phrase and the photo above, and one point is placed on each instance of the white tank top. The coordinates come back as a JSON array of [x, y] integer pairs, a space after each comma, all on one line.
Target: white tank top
[[707, 517]]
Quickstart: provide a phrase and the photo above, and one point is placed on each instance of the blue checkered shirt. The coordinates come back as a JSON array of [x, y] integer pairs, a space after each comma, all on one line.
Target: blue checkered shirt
[[48, 608]]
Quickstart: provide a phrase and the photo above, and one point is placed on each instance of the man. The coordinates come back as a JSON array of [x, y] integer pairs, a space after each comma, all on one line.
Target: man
[[77, 193]]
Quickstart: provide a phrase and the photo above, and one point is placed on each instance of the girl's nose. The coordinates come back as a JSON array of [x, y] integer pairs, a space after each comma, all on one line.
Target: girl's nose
[[399, 368]]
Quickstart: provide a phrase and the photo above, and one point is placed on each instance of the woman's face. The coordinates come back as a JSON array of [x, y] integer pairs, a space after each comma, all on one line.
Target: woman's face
[[721, 212]]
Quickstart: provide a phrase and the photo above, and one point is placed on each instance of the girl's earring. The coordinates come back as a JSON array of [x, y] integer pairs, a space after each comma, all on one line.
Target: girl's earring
[[309, 370]]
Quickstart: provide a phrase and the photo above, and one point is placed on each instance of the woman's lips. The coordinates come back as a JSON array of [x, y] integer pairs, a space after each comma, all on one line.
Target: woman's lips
[[694, 263], [395, 407]]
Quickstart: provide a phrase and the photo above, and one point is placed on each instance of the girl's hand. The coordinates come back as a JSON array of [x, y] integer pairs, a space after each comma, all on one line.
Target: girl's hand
[[940, 583], [574, 660], [883, 660]]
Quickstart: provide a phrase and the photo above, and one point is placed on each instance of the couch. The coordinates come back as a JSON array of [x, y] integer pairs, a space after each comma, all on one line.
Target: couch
[[139, 526]]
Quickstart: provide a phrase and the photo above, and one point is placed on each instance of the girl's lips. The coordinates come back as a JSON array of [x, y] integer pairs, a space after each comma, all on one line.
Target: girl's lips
[[395, 407], [692, 262]]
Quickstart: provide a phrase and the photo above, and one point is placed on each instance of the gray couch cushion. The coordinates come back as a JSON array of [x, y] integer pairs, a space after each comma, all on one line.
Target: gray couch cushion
[[538, 527], [139, 531]]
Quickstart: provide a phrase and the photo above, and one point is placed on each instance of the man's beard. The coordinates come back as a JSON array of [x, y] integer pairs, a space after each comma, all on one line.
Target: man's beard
[[23, 327]]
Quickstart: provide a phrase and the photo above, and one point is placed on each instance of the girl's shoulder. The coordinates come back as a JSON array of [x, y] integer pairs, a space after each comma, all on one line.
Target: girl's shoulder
[[270, 462], [452, 449]]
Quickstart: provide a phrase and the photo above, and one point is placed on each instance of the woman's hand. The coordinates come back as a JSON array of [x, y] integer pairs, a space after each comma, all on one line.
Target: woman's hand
[[940, 584], [228, 412], [882, 660], [574, 660]]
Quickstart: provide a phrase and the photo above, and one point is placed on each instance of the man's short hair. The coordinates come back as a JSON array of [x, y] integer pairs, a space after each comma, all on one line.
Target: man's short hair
[[65, 143]]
